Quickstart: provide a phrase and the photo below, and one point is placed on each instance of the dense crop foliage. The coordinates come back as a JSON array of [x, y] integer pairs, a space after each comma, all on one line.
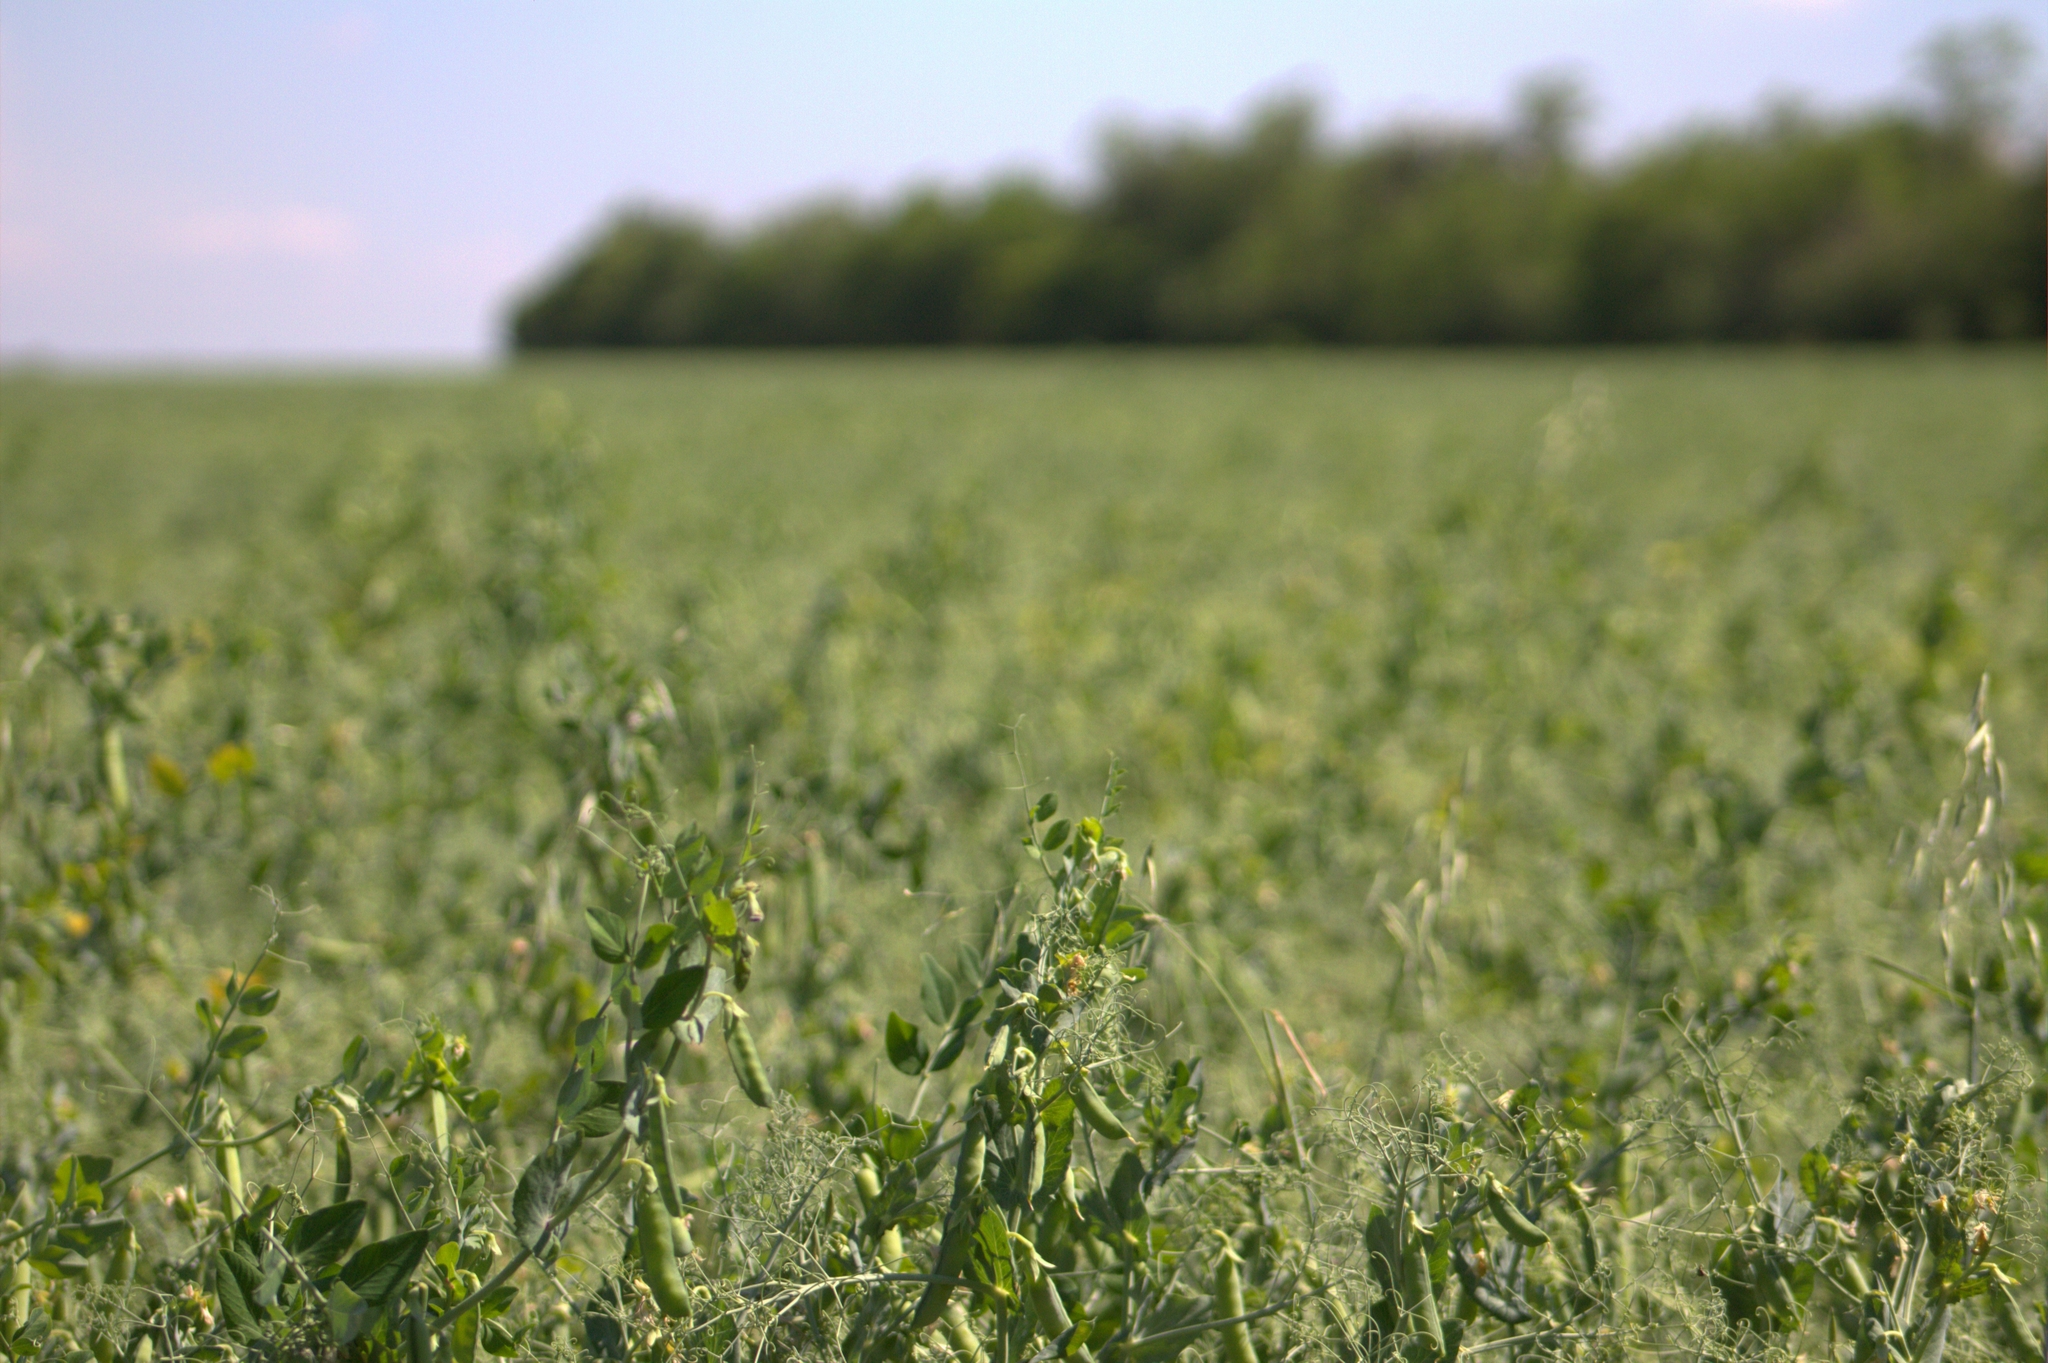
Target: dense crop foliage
[[1899, 224], [617, 861]]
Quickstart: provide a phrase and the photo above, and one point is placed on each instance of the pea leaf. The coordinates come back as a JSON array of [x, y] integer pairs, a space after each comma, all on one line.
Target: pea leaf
[[257, 1003], [907, 1051], [319, 1239], [937, 993], [540, 1187], [242, 1040], [607, 935], [671, 997], [719, 919], [378, 1273]]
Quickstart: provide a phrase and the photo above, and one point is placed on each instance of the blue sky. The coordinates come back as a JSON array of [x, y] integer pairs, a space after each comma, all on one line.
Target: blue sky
[[230, 181]]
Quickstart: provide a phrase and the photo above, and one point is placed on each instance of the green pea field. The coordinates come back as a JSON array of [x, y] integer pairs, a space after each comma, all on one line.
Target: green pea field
[[1089, 854]]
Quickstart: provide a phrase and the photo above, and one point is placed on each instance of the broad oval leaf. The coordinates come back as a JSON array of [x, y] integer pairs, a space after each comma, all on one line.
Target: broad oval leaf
[[237, 1042], [257, 1003], [672, 996], [378, 1273], [607, 935], [907, 1051], [319, 1239]]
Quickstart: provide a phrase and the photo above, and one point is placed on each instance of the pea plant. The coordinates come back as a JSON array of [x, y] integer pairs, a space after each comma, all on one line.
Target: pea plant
[[1043, 1172]]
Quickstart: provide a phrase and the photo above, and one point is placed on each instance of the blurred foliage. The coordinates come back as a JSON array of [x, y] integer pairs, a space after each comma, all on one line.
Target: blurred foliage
[[1899, 224], [1570, 900]]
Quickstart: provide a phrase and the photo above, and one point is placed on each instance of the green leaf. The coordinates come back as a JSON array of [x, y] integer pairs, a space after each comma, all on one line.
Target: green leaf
[[352, 1058], [719, 919], [1056, 1113], [607, 935], [1047, 806], [378, 1273], [257, 1003], [76, 1180], [1054, 838], [319, 1239], [907, 1051], [480, 1104], [937, 992], [988, 1255], [671, 997], [540, 1187], [600, 1115], [240, 1041], [91, 1236], [653, 944]]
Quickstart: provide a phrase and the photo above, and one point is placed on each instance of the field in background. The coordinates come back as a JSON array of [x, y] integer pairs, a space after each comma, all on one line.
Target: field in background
[[1472, 699]]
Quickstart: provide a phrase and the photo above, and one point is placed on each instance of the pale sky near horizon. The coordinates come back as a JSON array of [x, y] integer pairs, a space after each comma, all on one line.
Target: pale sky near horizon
[[372, 182]]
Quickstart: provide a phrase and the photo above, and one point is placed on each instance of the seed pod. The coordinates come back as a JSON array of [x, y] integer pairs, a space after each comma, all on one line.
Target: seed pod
[[1520, 1228], [1095, 1112], [973, 1155], [654, 1137], [114, 764], [1237, 1338], [1050, 1310], [889, 1244], [228, 1160], [418, 1336], [344, 1166], [2014, 1325], [961, 1335], [145, 1349], [947, 1263], [1417, 1291], [658, 1245], [1034, 1162], [746, 1061]]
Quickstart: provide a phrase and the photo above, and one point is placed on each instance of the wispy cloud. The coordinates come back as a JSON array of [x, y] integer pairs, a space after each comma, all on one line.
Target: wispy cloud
[[292, 232]]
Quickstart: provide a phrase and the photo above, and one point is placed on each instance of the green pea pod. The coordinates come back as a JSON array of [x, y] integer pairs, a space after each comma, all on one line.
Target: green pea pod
[[1095, 1112], [1034, 1164], [1050, 1310], [973, 1157], [889, 1244], [1237, 1337], [1417, 1291], [746, 1061], [658, 1245], [947, 1263], [1520, 1228], [961, 1335], [2014, 1325], [654, 1137], [344, 1166]]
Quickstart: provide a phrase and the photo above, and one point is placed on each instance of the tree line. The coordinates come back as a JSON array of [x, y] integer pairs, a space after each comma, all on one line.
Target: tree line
[[1893, 224]]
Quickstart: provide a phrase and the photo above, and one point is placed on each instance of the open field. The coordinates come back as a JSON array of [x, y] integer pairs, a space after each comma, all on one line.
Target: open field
[[1551, 717]]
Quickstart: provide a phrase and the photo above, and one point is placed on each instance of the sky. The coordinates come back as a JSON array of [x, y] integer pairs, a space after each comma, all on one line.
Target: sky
[[236, 182]]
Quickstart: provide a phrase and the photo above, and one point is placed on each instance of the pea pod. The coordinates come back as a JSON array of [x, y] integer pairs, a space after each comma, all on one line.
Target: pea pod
[[2013, 1323], [1095, 1112], [344, 1167], [657, 1245], [1237, 1337], [1034, 1162], [1520, 1228], [746, 1060], [889, 1244], [952, 1255], [1418, 1292], [654, 1136], [1047, 1306], [961, 1335]]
